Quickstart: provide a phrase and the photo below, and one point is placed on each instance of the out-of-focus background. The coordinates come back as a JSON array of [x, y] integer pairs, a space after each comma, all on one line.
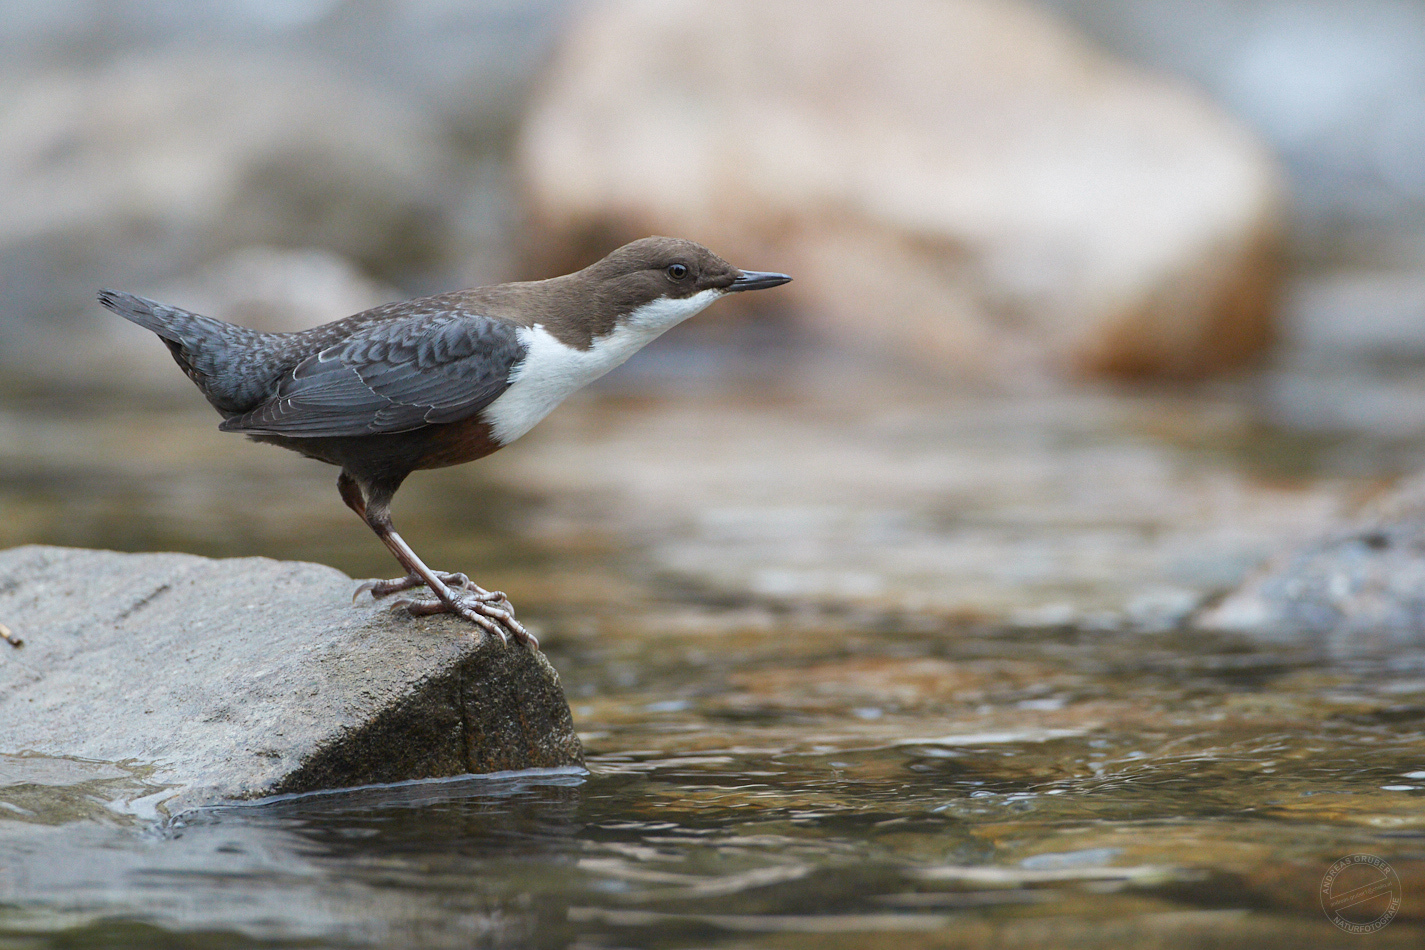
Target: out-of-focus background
[[1099, 305], [1074, 284]]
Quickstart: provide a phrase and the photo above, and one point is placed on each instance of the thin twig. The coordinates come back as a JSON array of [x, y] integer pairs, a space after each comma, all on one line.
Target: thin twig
[[9, 637]]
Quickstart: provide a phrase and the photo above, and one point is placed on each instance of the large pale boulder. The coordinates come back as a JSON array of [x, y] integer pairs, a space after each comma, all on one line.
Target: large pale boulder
[[963, 182]]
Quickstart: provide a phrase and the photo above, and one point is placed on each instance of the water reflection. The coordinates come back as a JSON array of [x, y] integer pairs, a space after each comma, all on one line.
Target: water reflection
[[53, 791], [1179, 788]]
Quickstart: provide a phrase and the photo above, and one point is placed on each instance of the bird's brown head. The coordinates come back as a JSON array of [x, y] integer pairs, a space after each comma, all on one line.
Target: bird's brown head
[[657, 267], [649, 285]]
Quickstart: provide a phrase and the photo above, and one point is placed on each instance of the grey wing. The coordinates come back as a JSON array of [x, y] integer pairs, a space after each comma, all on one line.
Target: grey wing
[[392, 377]]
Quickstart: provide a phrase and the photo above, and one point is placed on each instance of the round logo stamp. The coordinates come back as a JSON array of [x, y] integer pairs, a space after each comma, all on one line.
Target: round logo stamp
[[1360, 893]]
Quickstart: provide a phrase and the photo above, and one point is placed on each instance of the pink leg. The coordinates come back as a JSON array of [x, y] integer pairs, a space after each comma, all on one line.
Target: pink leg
[[454, 593]]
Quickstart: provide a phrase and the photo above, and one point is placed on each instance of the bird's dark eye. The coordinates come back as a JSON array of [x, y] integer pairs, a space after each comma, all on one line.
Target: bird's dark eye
[[677, 271]]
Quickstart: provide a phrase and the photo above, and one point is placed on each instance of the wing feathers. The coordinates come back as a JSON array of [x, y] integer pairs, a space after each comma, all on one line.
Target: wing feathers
[[392, 377]]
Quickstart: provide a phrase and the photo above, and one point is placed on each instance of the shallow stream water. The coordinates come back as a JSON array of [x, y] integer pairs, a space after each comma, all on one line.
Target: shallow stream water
[[798, 734]]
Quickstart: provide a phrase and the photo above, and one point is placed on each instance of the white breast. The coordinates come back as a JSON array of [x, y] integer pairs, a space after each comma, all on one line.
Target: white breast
[[551, 371]]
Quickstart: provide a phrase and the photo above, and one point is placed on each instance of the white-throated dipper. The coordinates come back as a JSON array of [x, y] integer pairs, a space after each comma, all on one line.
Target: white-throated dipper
[[438, 380]]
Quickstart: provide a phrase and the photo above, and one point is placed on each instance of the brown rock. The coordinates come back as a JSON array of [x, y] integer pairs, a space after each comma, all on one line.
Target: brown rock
[[956, 181]]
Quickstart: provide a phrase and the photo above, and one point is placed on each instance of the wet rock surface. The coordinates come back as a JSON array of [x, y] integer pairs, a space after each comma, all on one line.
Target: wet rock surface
[[965, 184], [238, 679]]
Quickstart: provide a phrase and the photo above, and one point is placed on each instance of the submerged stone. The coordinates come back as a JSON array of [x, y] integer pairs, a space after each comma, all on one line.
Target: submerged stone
[[238, 679], [1358, 590]]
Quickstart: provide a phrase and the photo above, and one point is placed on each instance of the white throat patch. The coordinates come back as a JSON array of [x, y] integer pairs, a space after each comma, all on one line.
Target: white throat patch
[[551, 371]]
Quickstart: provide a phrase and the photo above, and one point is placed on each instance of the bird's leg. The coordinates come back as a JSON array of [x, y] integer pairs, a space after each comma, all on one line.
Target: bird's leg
[[356, 501], [489, 610]]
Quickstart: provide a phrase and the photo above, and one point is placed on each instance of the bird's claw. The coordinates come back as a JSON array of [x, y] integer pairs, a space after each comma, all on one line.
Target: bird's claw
[[379, 589], [495, 616], [490, 610]]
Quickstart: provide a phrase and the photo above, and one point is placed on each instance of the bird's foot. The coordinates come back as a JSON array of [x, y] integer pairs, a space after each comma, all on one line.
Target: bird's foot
[[491, 611], [379, 589]]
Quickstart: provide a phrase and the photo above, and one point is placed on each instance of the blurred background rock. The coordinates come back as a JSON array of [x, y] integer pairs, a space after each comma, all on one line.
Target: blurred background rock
[[148, 141], [962, 184], [1049, 200], [1018, 198]]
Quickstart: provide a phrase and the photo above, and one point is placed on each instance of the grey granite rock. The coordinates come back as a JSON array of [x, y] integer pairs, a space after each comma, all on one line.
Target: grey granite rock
[[1358, 590], [243, 678]]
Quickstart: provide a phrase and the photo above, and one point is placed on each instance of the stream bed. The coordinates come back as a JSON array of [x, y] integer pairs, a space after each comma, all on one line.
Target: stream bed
[[854, 660]]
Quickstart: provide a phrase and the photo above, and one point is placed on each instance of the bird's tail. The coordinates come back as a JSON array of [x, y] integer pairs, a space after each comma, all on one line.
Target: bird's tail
[[221, 358]]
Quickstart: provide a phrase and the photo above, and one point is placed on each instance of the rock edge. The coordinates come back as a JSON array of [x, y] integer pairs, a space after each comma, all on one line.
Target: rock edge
[[244, 678]]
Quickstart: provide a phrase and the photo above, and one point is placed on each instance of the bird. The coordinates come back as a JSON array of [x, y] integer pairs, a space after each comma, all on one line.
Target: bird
[[438, 381]]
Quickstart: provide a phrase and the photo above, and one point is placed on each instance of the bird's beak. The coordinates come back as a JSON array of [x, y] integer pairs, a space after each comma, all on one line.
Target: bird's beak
[[757, 280]]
